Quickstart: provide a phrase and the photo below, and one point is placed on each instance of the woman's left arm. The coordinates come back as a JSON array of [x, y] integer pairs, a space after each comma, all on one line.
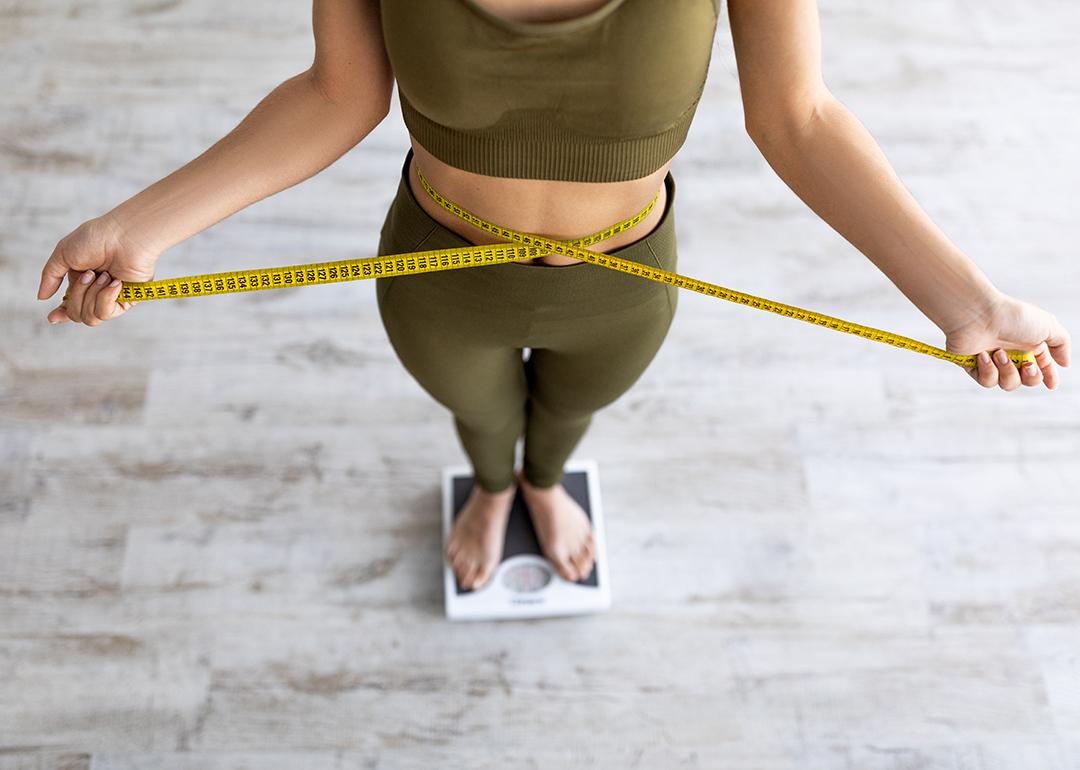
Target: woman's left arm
[[829, 159]]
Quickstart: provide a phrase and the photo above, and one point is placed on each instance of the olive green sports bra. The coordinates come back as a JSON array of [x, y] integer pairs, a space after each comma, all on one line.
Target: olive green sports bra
[[604, 97]]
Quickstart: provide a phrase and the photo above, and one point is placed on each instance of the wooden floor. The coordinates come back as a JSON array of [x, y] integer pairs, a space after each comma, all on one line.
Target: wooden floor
[[219, 539]]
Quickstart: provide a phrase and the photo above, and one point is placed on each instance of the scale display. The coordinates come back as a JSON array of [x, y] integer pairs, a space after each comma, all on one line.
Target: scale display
[[525, 584]]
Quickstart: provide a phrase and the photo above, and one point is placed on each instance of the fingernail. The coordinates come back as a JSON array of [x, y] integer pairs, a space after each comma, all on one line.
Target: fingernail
[[101, 279], [983, 357], [115, 283], [87, 277], [1031, 369], [1001, 356]]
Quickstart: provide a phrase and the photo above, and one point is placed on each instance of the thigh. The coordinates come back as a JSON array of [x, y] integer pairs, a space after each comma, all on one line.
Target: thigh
[[457, 356], [475, 381], [589, 365]]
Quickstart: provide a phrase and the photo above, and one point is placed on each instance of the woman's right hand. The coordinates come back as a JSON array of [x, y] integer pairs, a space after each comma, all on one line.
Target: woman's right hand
[[95, 257], [1012, 324]]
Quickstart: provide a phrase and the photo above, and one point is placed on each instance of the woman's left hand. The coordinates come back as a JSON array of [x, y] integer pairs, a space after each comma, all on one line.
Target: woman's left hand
[[1012, 325]]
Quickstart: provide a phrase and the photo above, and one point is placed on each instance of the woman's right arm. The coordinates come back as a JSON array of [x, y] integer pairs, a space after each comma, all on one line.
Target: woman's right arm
[[297, 130]]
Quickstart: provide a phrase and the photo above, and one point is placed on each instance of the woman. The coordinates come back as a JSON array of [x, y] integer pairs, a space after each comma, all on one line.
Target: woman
[[559, 117]]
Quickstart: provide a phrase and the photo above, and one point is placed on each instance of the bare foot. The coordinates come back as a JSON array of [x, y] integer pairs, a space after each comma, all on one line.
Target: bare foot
[[476, 540], [562, 527]]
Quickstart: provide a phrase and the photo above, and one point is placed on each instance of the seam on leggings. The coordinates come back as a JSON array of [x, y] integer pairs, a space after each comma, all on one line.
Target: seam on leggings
[[428, 235], [667, 294], [414, 248]]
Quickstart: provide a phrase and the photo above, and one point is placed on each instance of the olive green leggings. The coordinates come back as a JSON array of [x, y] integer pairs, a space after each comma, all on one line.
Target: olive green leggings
[[462, 334]]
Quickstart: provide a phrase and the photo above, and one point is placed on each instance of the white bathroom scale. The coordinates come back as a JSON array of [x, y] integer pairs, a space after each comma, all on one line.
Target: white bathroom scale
[[525, 584]]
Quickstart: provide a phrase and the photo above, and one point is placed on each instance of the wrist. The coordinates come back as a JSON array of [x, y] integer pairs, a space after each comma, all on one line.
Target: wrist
[[975, 307], [121, 227]]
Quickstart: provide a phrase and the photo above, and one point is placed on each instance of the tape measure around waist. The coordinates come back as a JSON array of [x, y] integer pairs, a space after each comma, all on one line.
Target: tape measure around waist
[[519, 246]]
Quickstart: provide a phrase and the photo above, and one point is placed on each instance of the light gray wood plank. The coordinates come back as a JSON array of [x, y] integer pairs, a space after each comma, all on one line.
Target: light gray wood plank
[[825, 552]]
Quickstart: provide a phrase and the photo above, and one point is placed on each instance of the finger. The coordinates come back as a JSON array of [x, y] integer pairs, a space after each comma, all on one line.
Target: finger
[[987, 374], [76, 292], [107, 307], [1046, 364], [90, 299], [1059, 343], [1008, 376], [58, 315], [1030, 374], [52, 275]]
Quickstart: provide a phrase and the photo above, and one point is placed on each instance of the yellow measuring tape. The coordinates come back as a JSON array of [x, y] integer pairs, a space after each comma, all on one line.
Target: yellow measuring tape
[[520, 246]]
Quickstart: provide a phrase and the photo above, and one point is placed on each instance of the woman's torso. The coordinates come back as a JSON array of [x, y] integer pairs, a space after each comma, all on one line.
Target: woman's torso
[[558, 209]]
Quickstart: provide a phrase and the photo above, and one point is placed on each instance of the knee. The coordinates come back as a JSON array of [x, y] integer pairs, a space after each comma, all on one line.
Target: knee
[[570, 408], [490, 421]]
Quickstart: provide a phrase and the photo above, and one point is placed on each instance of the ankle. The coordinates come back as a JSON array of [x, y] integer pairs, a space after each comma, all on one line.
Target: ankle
[[506, 491], [523, 479]]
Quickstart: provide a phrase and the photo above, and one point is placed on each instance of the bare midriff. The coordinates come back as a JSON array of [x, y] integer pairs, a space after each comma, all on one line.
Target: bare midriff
[[558, 210]]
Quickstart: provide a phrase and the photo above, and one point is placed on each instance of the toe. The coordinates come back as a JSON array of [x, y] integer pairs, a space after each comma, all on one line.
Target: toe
[[461, 569], [482, 575], [466, 575], [583, 562], [559, 565], [566, 568], [474, 576]]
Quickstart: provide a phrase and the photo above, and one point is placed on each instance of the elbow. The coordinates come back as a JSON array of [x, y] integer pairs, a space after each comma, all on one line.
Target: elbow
[[380, 100], [785, 124], [380, 109], [371, 102]]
